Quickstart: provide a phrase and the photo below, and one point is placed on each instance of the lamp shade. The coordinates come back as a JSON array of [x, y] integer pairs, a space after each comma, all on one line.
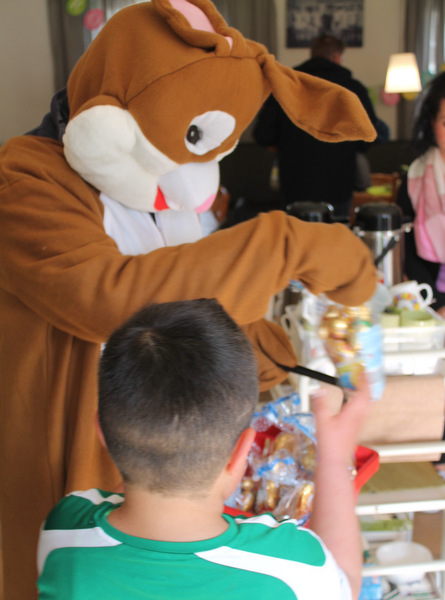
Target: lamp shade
[[402, 74]]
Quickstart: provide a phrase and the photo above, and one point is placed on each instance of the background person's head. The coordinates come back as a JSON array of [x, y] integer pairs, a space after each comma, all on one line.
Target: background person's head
[[427, 128], [327, 46], [177, 387]]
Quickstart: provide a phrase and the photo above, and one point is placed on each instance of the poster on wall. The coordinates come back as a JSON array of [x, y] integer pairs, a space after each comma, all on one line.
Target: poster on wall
[[307, 19]]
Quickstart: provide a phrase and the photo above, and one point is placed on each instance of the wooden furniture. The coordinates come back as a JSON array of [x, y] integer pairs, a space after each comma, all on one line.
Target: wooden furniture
[[385, 183], [221, 203]]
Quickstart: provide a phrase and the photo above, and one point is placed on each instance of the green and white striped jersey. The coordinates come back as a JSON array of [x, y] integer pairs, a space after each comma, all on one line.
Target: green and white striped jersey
[[82, 557]]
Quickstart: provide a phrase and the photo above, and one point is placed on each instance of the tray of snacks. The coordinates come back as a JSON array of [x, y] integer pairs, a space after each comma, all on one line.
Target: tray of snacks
[[281, 465]]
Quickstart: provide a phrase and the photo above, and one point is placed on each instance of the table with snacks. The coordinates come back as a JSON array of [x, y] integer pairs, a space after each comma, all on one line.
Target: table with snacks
[[405, 425]]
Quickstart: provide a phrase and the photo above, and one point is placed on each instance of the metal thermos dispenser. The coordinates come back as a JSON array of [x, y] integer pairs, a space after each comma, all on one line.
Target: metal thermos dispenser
[[313, 212], [380, 226]]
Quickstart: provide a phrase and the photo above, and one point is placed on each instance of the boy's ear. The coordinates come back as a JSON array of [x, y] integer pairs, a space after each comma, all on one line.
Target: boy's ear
[[98, 429], [237, 461]]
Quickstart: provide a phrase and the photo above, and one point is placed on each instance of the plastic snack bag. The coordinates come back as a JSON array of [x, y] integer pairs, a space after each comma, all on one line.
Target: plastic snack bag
[[354, 344]]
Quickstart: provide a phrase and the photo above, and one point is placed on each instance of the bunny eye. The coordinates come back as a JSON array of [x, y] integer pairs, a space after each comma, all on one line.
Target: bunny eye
[[194, 134], [208, 131]]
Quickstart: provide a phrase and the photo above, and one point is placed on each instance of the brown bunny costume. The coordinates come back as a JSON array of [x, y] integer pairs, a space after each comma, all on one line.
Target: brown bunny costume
[[99, 221]]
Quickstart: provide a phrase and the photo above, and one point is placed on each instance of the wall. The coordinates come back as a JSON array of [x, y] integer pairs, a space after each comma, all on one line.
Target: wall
[[26, 71], [382, 36]]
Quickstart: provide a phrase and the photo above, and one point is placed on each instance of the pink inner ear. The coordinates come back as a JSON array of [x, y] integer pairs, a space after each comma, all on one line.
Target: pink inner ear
[[195, 16]]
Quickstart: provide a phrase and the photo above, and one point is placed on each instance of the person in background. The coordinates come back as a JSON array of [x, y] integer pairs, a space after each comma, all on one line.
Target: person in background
[[178, 386], [310, 169], [421, 196]]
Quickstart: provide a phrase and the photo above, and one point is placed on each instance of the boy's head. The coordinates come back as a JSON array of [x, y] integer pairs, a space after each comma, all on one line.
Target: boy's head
[[177, 386]]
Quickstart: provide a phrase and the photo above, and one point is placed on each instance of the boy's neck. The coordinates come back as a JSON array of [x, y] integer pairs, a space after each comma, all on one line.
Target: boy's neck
[[169, 518]]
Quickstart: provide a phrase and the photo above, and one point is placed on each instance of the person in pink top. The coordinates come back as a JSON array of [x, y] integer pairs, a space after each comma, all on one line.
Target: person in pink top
[[422, 195]]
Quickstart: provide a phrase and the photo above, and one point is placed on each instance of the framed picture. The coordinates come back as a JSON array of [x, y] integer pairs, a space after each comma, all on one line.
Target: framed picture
[[307, 19]]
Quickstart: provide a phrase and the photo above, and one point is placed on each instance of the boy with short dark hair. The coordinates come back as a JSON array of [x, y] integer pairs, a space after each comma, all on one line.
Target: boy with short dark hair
[[177, 391]]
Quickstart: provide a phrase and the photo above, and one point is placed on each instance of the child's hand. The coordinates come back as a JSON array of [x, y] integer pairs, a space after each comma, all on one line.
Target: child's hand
[[337, 434]]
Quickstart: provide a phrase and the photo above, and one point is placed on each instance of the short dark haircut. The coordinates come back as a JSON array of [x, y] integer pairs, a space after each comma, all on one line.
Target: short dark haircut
[[423, 128], [326, 46], [177, 386]]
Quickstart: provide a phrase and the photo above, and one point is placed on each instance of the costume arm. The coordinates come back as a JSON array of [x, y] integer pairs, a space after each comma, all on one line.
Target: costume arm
[[57, 259], [271, 347], [333, 517], [64, 266]]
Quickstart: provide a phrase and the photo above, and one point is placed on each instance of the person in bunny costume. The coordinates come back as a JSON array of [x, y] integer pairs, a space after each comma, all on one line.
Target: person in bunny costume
[[99, 215]]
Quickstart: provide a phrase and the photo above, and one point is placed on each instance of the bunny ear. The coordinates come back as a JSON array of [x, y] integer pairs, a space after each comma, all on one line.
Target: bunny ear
[[323, 109], [197, 22]]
